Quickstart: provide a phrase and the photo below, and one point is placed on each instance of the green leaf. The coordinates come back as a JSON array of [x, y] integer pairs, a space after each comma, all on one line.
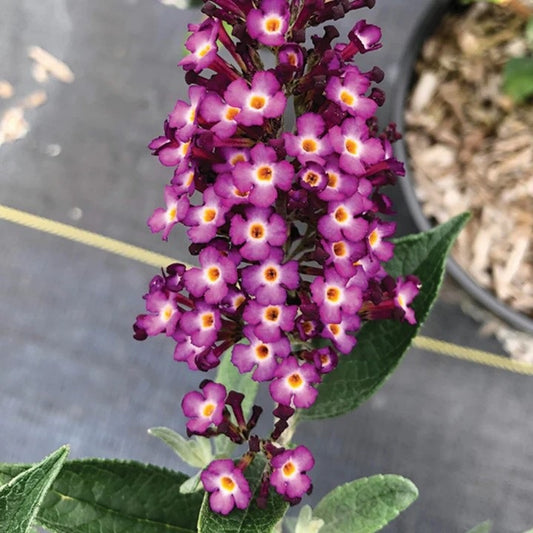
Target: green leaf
[[96, 496], [307, 523], [381, 344], [195, 452], [250, 520], [193, 484], [365, 505], [21, 497], [232, 379], [484, 527], [518, 78]]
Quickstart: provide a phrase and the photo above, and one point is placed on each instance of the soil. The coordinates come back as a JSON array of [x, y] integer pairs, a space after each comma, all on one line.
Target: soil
[[471, 147]]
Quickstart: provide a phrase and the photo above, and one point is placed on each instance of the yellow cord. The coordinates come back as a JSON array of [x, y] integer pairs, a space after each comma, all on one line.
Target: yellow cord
[[472, 355], [85, 237], [158, 260]]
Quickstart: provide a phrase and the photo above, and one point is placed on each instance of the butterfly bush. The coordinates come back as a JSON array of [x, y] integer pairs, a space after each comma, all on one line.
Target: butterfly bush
[[288, 225]]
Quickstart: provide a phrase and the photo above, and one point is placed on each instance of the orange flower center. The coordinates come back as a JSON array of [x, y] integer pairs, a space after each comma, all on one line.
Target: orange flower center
[[270, 274], [272, 25], [209, 214], [204, 51], [208, 410], [333, 294], [231, 113], [289, 468], [309, 145], [213, 273], [334, 328], [295, 380], [339, 249], [312, 178], [262, 351], [351, 146], [257, 231], [272, 313], [373, 238], [340, 214], [257, 102], [227, 483], [265, 173], [208, 320], [347, 98], [332, 179], [167, 313]]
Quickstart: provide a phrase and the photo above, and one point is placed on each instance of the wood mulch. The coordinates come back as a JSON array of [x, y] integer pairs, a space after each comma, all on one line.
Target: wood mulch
[[471, 148]]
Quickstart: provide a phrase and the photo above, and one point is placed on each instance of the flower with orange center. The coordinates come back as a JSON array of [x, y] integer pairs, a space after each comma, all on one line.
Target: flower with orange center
[[204, 408], [289, 472], [293, 385], [226, 485], [268, 24]]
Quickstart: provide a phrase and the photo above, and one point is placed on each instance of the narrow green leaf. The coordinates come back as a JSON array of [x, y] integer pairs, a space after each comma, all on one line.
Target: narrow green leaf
[[381, 344], [195, 452], [365, 505], [232, 379], [96, 495], [250, 520], [518, 78], [307, 523], [484, 527], [21, 497]]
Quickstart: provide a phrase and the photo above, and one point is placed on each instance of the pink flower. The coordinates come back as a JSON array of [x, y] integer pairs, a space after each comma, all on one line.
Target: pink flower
[[227, 485], [204, 408], [289, 472]]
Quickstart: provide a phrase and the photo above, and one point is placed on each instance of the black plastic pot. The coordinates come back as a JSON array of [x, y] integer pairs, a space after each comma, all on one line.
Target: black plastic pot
[[404, 84]]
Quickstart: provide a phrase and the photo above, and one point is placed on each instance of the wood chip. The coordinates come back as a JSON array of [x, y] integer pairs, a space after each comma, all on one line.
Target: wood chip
[[13, 125], [34, 100], [51, 64], [6, 89], [472, 149]]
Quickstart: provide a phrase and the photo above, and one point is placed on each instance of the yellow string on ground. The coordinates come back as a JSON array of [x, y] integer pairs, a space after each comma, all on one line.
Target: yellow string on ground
[[158, 260], [85, 237], [472, 355]]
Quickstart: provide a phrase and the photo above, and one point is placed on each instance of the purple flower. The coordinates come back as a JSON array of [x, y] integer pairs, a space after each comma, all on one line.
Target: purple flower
[[377, 231], [406, 290], [356, 148], [202, 324], [292, 56], [348, 93], [340, 185], [289, 469], [211, 281], [163, 220], [183, 181], [269, 23], [186, 350], [264, 99], [220, 115], [202, 45], [293, 385], [325, 359], [365, 36], [162, 305], [207, 218], [342, 220], [269, 281], [312, 177], [204, 408], [342, 255], [184, 116], [170, 150], [261, 229], [334, 297], [311, 143], [261, 355], [342, 333], [263, 175], [227, 485], [270, 320]]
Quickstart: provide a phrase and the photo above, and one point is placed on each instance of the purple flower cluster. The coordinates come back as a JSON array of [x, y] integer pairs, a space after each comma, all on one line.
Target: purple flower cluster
[[287, 226]]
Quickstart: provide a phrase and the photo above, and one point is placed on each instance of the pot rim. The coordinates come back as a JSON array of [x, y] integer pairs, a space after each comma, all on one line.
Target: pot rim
[[485, 297]]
